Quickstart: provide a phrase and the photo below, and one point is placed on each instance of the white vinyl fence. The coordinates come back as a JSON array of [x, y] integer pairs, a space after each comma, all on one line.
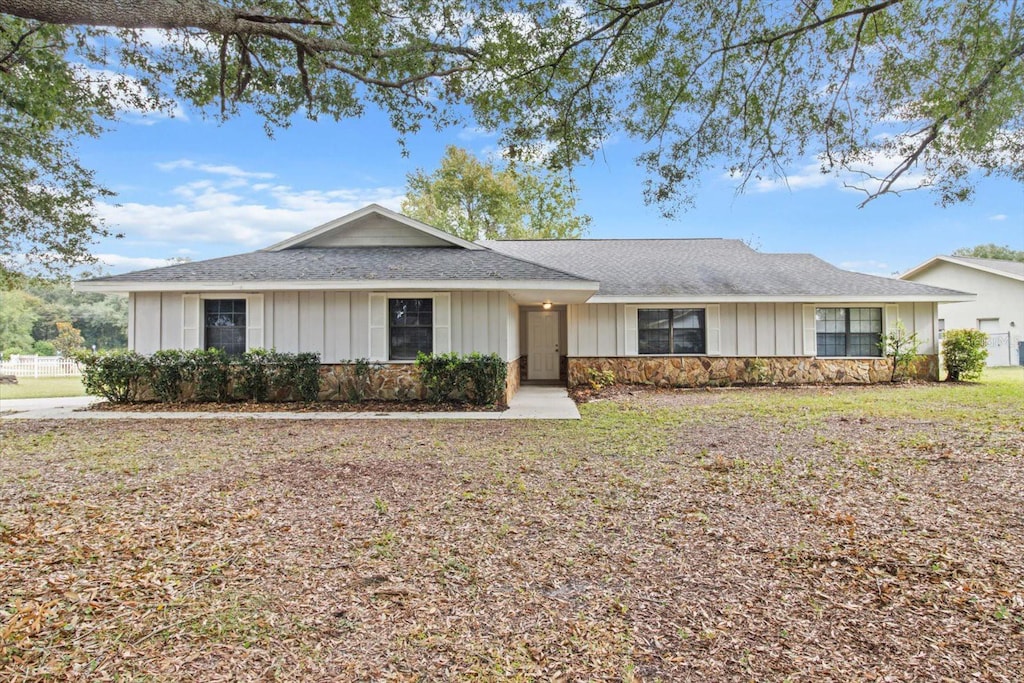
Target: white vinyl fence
[[40, 366]]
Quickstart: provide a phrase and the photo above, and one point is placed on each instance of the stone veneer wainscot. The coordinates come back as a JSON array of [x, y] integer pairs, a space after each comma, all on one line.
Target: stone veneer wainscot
[[698, 371]]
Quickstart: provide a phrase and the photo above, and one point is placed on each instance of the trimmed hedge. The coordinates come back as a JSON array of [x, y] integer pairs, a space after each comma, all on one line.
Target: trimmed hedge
[[473, 378], [172, 375], [117, 376]]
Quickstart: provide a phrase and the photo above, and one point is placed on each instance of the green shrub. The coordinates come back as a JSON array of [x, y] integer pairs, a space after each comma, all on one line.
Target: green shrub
[[44, 348], [169, 370], [303, 374], [964, 353], [114, 375], [254, 374], [473, 378], [209, 374], [599, 379], [263, 374], [901, 349], [120, 376]]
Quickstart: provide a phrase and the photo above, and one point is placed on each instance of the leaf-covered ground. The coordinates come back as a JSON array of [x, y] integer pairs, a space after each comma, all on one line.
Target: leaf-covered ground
[[804, 535]]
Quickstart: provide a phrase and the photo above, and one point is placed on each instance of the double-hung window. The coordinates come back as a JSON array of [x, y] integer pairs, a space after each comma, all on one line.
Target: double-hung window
[[410, 328], [668, 331], [848, 331], [224, 325]]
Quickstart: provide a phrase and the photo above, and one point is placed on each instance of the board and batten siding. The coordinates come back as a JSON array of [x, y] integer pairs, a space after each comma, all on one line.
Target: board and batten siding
[[743, 329], [335, 324]]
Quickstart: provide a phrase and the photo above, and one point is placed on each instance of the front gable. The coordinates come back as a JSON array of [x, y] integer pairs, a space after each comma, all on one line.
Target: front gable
[[373, 226]]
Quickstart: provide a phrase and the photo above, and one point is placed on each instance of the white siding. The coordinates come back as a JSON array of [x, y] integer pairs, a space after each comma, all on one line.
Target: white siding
[[359, 332], [286, 322], [924, 319], [764, 324], [512, 330], [268, 321], [337, 343], [376, 231], [337, 324], [744, 329], [311, 322], [171, 316], [147, 322], [785, 330], [728, 318], [486, 322], [596, 330]]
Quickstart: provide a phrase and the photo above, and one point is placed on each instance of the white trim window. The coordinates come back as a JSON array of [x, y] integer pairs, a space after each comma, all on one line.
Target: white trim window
[[410, 327], [224, 325], [671, 331], [848, 332]]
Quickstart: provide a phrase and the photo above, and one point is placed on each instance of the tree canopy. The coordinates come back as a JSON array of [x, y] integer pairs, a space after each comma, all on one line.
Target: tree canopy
[[889, 94], [30, 318], [475, 200], [994, 251]]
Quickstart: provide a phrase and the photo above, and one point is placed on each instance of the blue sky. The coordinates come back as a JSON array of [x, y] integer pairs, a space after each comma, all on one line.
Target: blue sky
[[188, 186]]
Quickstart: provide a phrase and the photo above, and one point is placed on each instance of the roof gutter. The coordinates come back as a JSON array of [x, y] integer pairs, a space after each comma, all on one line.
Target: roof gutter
[[796, 299], [124, 287]]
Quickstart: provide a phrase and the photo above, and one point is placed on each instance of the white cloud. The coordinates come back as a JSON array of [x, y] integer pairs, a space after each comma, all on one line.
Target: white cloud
[[998, 217], [472, 133], [213, 169], [128, 94], [203, 212], [865, 176], [123, 263]]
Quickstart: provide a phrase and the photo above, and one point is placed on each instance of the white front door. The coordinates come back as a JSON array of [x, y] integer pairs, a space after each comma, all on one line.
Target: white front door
[[542, 345]]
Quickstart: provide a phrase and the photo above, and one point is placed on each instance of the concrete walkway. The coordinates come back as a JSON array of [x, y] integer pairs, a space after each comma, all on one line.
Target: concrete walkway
[[530, 403]]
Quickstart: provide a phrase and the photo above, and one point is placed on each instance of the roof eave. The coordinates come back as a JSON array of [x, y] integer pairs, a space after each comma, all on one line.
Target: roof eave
[[957, 262], [125, 287], [799, 298]]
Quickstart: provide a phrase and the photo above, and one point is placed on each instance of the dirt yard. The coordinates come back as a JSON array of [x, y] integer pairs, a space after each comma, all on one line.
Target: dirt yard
[[761, 534]]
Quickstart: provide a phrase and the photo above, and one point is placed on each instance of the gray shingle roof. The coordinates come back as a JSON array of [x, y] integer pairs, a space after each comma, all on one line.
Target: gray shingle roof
[[703, 267], [1009, 267], [350, 263]]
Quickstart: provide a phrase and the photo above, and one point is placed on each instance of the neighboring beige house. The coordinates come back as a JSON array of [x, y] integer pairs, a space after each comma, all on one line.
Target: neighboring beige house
[[998, 309], [674, 312]]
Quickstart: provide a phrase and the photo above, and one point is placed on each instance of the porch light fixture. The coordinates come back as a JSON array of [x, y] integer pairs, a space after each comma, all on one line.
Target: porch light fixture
[[546, 305]]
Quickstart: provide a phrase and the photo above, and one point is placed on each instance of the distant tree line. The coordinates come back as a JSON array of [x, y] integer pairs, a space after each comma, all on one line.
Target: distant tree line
[[995, 251], [50, 318]]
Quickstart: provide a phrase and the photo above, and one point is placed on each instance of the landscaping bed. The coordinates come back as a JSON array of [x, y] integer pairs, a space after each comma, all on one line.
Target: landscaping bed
[[294, 407]]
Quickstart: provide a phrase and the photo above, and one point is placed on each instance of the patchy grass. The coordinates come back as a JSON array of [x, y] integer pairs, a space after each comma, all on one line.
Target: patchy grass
[[44, 387], [811, 534]]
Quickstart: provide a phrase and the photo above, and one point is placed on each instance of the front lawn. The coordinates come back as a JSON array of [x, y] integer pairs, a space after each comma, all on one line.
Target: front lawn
[[43, 387], [741, 534]]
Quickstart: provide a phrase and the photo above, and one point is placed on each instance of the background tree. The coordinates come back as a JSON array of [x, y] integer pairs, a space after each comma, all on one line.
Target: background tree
[[17, 315], [1004, 252], [101, 318], [879, 88], [68, 339], [475, 200]]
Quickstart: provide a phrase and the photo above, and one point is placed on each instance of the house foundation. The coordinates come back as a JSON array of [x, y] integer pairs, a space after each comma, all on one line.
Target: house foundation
[[700, 371]]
